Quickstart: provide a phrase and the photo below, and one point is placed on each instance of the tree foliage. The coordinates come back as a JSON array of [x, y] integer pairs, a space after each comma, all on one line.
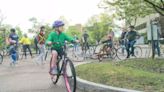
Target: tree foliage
[[2, 18], [36, 24], [98, 26], [130, 10], [158, 5], [73, 30]]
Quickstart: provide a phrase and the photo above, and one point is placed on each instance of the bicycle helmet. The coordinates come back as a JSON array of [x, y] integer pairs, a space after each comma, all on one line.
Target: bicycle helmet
[[58, 23]]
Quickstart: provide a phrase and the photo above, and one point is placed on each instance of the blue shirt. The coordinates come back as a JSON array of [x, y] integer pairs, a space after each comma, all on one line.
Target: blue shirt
[[14, 37]]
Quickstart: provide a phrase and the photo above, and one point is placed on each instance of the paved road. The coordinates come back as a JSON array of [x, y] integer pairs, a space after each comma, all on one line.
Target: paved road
[[27, 76]]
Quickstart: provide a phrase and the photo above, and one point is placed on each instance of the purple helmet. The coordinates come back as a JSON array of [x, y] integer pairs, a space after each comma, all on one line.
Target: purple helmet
[[58, 23]]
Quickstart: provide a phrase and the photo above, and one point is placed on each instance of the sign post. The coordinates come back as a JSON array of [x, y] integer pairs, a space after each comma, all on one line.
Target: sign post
[[152, 40]]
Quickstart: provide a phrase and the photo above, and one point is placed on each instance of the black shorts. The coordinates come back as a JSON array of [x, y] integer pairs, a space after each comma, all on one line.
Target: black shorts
[[60, 52]]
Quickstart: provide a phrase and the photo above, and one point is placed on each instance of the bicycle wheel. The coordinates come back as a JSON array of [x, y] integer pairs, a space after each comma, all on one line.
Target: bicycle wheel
[[102, 53], [1, 59], [70, 76], [137, 52], [54, 78], [112, 53], [121, 53]]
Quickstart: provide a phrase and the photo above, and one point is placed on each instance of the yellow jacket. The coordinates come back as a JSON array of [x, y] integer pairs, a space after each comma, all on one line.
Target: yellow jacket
[[25, 41]]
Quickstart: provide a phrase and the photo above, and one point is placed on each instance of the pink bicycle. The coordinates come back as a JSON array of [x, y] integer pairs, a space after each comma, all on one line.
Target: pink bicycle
[[65, 68]]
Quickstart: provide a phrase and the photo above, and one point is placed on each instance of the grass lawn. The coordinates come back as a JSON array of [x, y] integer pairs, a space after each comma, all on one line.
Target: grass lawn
[[139, 74]]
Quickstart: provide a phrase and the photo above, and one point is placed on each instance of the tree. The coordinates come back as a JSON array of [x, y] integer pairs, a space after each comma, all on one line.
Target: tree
[[35, 25], [4, 34], [2, 18], [48, 29], [19, 31], [72, 30], [158, 5], [98, 26], [129, 10]]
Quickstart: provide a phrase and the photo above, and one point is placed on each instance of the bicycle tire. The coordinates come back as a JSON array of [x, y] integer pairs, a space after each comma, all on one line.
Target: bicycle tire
[[70, 76], [108, 54], [100, 55], [1, 59], [137, 52], [121, 53], [114, 52], [59, 69]]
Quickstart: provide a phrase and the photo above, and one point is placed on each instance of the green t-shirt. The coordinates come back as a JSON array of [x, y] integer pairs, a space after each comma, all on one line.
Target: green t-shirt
[[59, 38]]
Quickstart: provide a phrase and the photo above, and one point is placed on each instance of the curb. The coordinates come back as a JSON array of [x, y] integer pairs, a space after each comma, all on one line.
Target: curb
[[87, 86]]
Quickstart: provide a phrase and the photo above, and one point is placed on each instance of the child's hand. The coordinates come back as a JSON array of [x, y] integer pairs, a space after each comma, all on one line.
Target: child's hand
[[49, 43], [77, 41]]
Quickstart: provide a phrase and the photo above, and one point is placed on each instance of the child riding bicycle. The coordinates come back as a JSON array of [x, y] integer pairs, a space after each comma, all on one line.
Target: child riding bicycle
[[13, 41], [57, 36]]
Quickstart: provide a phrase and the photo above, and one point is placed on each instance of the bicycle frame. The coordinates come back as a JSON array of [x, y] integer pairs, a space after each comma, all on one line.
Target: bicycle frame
[[62, 70]]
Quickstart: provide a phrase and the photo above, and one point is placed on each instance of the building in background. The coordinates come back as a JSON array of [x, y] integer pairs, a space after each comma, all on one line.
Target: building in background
[[143, 26]]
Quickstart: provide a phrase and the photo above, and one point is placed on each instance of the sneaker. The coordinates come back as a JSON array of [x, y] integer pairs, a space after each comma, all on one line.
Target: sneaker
[[54, 71]]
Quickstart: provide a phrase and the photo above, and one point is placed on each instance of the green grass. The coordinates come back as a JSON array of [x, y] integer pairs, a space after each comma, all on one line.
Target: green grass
[[141, 74]]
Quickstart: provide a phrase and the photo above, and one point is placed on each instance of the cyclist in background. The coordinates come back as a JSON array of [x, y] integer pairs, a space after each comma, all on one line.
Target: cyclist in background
[[25, 41], [131, 40], [109, 41], [13, 41], [75, 45], [122, 40], [85, 38], [57, 41], [41, 45]]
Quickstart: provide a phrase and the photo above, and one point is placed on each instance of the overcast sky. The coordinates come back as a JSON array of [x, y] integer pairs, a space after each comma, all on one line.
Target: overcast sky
[[18, 12]]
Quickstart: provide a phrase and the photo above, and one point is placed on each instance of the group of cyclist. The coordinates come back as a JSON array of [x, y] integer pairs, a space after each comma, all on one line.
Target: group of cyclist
[[56, 40], [128, 39]]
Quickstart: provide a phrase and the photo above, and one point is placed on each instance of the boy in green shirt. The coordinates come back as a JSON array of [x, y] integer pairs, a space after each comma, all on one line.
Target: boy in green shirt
[[58, 37]]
